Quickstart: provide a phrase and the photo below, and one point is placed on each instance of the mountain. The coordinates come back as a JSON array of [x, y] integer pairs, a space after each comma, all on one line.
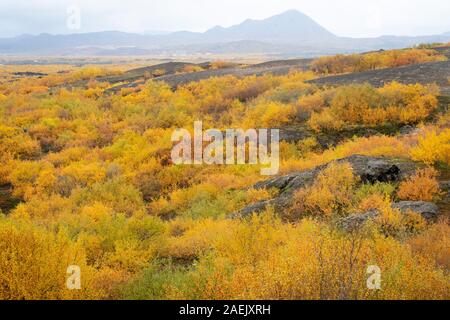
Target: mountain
[[291, 33], [59, 44], [289, 27]]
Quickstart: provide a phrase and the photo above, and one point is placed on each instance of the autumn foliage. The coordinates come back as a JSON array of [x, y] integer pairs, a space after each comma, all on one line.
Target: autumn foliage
[[423, 186], [375, 60], [394, 103], [94, 185]]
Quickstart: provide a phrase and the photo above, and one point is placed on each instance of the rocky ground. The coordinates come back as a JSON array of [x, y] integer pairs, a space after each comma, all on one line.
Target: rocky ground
[[425, 73], [369, 169], [173, 73], [135, 77], [142, 73]]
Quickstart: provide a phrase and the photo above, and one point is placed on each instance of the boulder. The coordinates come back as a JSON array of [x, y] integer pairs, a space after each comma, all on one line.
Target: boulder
[[407, 130], [369, 169], [355, 221], [429, 211], [293, 135], [445, 187], [254, 208], [278, 183], [379, 171], [7, 201]]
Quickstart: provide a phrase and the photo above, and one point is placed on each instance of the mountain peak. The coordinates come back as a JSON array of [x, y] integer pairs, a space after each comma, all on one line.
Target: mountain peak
[[290, 32], [289, 26], [291, 13]]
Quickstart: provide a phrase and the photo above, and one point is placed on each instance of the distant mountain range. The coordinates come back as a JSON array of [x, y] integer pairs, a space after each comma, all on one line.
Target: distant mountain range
[[288, 34]]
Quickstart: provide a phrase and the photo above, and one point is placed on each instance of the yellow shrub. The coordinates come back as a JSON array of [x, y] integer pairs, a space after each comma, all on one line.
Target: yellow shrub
[[331, 193], [371, 202], [394, 103], [433, 147], [192, 239], [310, 261], [311, 103], [325, 120], [158, 72], [34, 262], [29, 177], [376, 60], [423, 186], [221, 65], [394, 223], [192, 68], [434, 243]]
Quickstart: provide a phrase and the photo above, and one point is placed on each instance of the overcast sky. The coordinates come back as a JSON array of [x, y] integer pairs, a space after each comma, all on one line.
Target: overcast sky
[[355, 18]]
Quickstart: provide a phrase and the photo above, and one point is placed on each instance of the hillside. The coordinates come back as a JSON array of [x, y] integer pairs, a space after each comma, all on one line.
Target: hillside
[[426, 73]]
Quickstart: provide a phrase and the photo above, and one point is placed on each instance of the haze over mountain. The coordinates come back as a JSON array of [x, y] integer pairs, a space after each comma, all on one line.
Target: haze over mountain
[[288, 34], [287, 27]]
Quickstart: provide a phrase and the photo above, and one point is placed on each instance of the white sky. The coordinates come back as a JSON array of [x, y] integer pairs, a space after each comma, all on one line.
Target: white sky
[[354, 18]]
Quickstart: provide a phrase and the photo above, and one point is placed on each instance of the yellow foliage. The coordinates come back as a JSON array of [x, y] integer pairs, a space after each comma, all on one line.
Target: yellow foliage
[[221, 65], [30, 177], [311, 103], [159, 72], [325, 120], [376, 60], [310, 261], [331, 193], [423, 186], [17, 144], [276, 115], [33, 264], [189, 240], [392, 222], [371, 202], [98, 189], [191, 68], [433, 147], [434, 243], [364, 105], [84, 174]]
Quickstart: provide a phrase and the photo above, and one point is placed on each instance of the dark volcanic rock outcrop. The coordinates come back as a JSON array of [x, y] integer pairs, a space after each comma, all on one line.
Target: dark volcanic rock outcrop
[[369, 169], [355, 221], [424, 73], [7, 200], [429, 211], [135, 77], [380, 171]]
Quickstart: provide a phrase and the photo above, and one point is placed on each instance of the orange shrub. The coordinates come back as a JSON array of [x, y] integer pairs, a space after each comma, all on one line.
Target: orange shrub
[[434, 243], [423, 186]]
